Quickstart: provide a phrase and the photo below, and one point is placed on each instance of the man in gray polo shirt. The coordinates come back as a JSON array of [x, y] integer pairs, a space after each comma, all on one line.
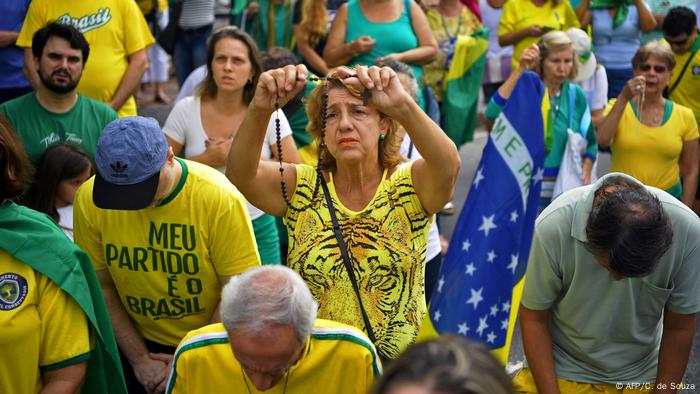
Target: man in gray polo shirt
[[612, 288]]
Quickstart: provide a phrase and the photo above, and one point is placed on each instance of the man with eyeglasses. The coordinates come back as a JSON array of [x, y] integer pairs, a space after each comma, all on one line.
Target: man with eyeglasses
[[681, 32], [270, 340], [612, 289]]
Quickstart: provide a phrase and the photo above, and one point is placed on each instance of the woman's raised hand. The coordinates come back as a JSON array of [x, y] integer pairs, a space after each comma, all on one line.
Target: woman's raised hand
[[530, 57], [634, 87], [279, 86], [386, 92]]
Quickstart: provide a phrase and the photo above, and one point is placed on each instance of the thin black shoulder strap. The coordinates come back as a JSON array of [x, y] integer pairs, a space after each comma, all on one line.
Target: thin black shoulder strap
[[346, 258]]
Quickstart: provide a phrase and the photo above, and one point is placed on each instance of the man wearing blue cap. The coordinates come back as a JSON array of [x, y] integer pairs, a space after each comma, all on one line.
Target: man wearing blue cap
[[164, 235]]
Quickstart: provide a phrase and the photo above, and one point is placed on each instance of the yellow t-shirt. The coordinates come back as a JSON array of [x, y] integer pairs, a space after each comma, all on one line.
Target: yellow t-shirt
[[166, 261], [519, 14], [146, 6], [687, 92], [337, 359], [115, 29], [651, 154], [43, 328], [386, 242]]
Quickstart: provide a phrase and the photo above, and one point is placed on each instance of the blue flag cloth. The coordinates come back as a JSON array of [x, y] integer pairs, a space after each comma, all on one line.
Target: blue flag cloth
[[488, 253]]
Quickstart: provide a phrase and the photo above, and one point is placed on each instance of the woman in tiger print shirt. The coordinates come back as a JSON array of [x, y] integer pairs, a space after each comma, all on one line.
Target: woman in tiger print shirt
[[384, 206]]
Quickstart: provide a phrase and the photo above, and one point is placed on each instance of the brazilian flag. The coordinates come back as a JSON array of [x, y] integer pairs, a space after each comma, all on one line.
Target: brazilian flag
[[483, 273], [36, 240], [461, 86]]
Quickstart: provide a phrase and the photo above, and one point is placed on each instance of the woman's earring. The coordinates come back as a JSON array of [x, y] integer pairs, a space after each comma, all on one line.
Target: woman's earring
[[381, 137]]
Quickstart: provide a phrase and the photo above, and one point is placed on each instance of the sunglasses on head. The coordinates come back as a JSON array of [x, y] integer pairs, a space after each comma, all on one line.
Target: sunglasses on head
[[646, 67]]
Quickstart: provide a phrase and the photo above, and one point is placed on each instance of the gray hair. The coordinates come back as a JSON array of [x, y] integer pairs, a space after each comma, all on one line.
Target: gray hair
[[555, 41], [403, 68], [266, 296], [657, 50]]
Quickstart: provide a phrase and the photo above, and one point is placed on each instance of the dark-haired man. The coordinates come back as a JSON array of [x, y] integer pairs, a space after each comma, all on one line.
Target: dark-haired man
[[612, 288], [55, 112], [681, 33], [164, 235], [118, 37]]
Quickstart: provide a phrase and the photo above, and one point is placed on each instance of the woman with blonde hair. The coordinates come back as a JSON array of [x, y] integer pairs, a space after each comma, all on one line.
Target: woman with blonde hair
[[358, 223], [641, 123], [311, 31], [565, 107]]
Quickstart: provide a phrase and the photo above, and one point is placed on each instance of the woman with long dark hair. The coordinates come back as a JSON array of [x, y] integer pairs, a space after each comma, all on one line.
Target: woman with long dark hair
[[59, 173], [56, 335], [201, 127]]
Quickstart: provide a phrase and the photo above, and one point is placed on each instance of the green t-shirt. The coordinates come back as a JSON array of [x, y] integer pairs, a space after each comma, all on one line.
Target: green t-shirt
[[38, 128], [605, 330]]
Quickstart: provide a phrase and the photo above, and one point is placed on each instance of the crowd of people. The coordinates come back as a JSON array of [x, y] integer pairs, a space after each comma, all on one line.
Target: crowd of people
[[280, 231]]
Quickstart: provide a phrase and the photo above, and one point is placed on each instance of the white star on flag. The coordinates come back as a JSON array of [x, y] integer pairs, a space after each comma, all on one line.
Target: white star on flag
[[437, 315], [494, 310], [463, 328], [513, 262], [482, 325], [466, 245], [514, 216], [539, 175], [491, 337], [470, 269], [441, 283], [476, 297], [504, 324], [479, 177], [491, 257], [487, 224], [505, 307]]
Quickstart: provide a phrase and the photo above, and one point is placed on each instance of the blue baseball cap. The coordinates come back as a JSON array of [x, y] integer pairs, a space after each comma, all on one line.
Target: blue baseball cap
[[130, 154]]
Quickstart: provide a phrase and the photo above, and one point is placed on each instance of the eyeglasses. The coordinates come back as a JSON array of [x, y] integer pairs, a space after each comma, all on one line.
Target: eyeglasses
[[677, 42], [657, 69]]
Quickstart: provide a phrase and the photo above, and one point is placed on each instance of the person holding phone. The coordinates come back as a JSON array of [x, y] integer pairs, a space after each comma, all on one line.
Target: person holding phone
[[524, 21]]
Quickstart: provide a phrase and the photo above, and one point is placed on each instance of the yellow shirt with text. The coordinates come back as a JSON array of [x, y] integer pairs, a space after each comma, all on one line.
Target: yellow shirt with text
[[166, 261], [115, 29], [337, 359], [43, 328]]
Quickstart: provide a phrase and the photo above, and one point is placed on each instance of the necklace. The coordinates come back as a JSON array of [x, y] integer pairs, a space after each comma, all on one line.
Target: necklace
[[321, 145], [284, 390], [444, 26], [554, 103]]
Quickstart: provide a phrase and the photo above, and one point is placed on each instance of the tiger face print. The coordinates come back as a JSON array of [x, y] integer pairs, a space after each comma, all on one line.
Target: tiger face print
[[386, 243]]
